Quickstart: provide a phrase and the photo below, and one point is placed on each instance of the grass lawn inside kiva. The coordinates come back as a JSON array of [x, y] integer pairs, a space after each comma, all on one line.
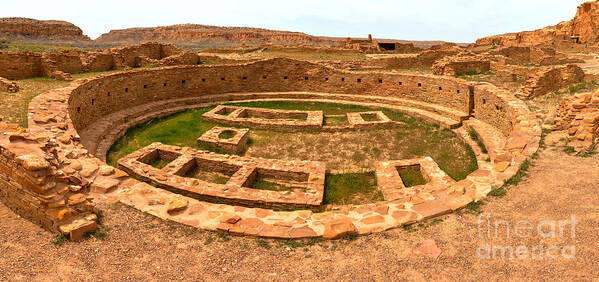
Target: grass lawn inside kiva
[[341, 151]]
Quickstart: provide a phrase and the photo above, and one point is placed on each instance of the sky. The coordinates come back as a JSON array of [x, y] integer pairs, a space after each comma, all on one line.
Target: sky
[[448, 20]]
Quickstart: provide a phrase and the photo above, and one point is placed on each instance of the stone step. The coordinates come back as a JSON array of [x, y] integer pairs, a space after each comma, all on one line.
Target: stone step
[[492, 138]]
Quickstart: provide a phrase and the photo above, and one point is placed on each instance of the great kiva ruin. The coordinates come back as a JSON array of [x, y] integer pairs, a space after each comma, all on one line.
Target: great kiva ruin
[[283, 135]]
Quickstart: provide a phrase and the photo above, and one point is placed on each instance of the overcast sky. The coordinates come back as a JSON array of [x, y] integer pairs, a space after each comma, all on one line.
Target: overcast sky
[[449, 20]]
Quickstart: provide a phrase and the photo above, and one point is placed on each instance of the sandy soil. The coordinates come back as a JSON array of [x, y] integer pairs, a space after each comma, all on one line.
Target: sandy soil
[[140, 247]]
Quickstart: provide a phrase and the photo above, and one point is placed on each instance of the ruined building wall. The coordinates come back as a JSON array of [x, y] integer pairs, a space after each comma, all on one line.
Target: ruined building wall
[[551, 79], [69, 62], [579, 115], [54, 64], [20, 65], [513, 72], [422, 60], [131, 55], [98, 61], [111, 93], [31, 185], [491, 106], [461, 64]]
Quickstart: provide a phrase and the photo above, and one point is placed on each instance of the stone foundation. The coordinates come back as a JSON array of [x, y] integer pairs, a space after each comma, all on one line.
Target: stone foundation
[[392, 185], [236, 143], [8, 86], [306, 176], [266, 118]]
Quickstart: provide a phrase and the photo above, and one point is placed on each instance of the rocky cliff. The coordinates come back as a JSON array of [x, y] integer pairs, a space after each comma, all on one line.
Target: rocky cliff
[[30, 29], [197, 34], [583, 29]]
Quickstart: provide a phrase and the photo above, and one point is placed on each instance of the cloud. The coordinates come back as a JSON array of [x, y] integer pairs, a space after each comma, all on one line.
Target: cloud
[[457, 20]]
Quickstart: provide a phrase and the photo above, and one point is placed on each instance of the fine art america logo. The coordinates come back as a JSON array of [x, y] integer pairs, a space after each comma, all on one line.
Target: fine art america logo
[[522, 232]]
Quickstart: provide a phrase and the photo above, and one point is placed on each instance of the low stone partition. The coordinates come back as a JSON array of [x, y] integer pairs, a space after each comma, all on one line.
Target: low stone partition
[[235, 143], [266, 118], [62, 114], [305, 177], [294, 120], [368, 119]]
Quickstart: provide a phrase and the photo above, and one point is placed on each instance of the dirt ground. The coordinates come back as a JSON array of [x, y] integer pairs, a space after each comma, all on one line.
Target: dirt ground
[[140, 247]]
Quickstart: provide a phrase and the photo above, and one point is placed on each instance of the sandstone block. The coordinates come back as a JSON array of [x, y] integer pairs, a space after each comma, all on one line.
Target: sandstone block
[[338, 228]]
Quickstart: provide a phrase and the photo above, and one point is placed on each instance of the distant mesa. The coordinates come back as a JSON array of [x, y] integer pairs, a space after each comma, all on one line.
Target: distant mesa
[[583, 29], [197, 34], [31, 29], [185, 35]]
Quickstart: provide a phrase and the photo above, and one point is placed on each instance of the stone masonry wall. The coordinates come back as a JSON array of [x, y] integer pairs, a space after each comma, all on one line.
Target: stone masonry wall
[[579, 115], [461, 64], [31, 184], [551, 79], [56, 64], [69, 62], [115, 92], [20, 65], [491, 107]]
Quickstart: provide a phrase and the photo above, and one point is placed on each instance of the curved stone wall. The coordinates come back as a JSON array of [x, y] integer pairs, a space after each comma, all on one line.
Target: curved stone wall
[[510, 131], [100, 97]]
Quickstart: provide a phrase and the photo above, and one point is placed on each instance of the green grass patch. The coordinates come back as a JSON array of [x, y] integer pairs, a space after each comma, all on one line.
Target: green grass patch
[[41, 47], [208, 175], [569, 150], [472, 72], [226, 134], [583, 86], [416, 139], [351, 188], [336, 121], [159, 163], [262, 184], [59, 240], [587, 154], [98, 234], [302, 243], [475, 207], [209, 240], [411, 176], [180, 129], [499, 192], [370, 117], [474, 135], [262, 243], [522, 172]]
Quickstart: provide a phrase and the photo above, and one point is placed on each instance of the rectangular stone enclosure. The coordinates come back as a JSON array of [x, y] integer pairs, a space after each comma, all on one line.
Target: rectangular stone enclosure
[[229, 139], [266, 118], [234, 180], [392, 185], [368, 119]]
